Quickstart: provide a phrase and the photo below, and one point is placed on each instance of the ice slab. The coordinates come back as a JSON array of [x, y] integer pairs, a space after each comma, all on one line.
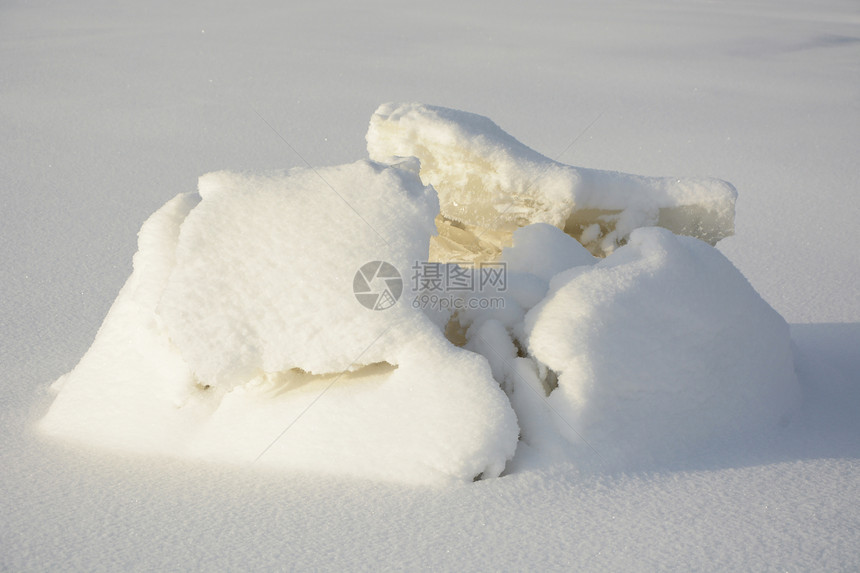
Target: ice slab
[[489, 184]]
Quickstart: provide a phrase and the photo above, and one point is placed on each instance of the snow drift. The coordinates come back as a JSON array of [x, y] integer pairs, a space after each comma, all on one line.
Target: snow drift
[[659, 349], [241, 334]]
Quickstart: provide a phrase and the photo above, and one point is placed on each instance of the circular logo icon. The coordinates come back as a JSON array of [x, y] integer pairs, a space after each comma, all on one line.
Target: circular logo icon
[[377, 285]]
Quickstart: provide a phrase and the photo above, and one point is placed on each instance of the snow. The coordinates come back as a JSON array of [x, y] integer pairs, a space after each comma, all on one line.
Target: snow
[[660, 348], [110, 111], [543, 251], [265, 267], [239, 317]]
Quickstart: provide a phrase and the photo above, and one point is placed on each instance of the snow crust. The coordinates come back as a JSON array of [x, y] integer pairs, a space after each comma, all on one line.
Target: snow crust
[[240, 336], [490, 184]]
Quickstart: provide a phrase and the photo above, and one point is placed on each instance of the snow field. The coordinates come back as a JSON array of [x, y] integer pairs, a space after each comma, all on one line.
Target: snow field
[[108, 111]]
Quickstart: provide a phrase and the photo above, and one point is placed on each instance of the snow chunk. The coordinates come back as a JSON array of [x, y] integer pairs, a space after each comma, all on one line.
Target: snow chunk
[[544, 251], [238, 337], [659, 348], [263, 256], [489, 184]]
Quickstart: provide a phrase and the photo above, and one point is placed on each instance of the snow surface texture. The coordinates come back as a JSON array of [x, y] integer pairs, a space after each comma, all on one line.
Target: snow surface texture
[[238, 336], [489, 184]]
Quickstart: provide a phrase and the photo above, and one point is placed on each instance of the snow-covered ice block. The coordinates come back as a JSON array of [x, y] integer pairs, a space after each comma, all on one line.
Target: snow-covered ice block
[[489, 184], [660, 348], [250, 332], [239, 322]]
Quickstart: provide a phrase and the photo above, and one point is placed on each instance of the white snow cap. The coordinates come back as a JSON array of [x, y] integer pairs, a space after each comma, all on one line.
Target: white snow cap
[[273, 319]]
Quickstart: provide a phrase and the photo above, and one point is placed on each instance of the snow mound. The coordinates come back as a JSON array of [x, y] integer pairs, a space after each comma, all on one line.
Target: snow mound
[[265, 258], [282, 318], [659, 349], [543, 251], [239, 322], [490, 184]]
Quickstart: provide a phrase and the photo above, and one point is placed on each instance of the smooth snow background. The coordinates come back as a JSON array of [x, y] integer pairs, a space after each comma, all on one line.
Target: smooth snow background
[[108, 111]]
